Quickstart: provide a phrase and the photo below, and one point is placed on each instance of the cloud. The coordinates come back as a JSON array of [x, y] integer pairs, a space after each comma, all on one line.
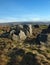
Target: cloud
[[11, 19], [5, 20]]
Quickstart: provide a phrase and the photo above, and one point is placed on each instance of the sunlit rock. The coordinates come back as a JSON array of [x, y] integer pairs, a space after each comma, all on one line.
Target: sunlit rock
[[22, 35]]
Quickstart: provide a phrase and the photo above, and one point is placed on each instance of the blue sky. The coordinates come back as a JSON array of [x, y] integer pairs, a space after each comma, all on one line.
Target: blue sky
[[24, 10]]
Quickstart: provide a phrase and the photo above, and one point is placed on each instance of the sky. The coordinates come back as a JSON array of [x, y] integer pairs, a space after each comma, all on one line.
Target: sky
[[24, 10]]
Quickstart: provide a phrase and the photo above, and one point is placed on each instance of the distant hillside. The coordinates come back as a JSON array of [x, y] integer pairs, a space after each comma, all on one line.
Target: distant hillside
[[28, 22]]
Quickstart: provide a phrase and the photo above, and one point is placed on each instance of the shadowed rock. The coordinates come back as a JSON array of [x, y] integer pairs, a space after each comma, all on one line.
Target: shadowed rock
[[32, 40], [44, 31], [36, 26], [43, 38], [5, 35], [48, 29]]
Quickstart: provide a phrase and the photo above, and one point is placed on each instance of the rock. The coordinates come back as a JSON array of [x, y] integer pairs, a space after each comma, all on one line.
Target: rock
[[22, 35], [21, 26], [15, 37], [12, 32], [30, 29]]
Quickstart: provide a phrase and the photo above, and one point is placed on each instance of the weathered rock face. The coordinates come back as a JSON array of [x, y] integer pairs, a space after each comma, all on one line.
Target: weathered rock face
[[30, 29], [15, 37], [26, 29], [21, 26], [18, 34], [22, 35], [22, 31]]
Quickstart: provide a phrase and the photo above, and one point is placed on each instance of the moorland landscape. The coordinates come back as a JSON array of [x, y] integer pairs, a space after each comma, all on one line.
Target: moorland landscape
[[25, 44]]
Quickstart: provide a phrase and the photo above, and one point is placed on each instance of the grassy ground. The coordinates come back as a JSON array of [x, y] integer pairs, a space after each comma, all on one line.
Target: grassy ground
[[42, 52]]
